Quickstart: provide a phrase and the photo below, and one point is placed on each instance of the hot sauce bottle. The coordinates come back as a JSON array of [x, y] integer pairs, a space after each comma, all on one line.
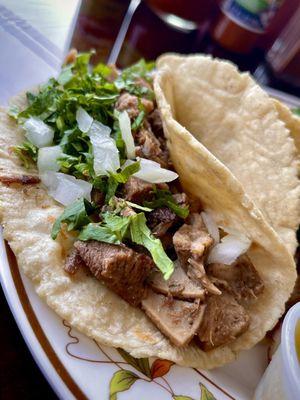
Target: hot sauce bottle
[[242, 22]]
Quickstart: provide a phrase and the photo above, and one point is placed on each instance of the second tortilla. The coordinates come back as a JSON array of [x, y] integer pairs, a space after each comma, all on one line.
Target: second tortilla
[[240, 124]]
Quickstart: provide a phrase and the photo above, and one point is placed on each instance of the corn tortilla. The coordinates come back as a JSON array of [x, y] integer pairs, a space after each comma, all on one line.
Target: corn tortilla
[[251, 133], [27, 214]]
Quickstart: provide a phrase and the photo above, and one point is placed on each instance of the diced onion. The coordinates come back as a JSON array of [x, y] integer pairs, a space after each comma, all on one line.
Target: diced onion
[[47, 158], [38, 133], [151, 171], [125, 127], [66, 188], [105, 151], [211, 226], [84, 120], [229, 249]]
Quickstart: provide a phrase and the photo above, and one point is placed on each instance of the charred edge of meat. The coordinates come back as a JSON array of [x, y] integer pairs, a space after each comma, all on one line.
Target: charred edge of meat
[[156, 124], [73, 262], [160, 221], [21, 179]]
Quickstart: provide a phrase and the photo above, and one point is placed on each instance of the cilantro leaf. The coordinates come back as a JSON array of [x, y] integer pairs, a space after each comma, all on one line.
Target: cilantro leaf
[[164, 198], [138, 121], [141, 234], [117, 224], [27, 152], [131, 77], [120, 177], [138, 207], [124, 175], [76, 215], [98, 232], [111, 230], [296, 111], [65, 75]]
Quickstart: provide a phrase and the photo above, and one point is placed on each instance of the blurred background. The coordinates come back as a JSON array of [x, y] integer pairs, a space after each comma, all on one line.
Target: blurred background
[[260, 36]]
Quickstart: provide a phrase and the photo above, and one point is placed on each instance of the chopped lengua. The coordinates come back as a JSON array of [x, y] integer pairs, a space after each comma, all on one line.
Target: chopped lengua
[[160, 220], [179, 285], [197, 273], [150, 147], [137, 191], [240, 279], [192, 240], [122, 270], [156, 123], [130, 103], [178, 320], [224, 320]]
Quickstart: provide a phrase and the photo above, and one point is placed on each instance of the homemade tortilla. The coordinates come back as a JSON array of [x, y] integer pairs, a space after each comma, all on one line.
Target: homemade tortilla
[[28, 213], [251, 133]]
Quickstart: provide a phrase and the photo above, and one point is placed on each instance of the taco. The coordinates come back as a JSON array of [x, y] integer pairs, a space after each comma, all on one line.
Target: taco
[[248, 131], [128, 227]]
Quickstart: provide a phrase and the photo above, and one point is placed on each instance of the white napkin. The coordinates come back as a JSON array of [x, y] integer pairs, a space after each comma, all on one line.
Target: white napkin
[[34, 38]]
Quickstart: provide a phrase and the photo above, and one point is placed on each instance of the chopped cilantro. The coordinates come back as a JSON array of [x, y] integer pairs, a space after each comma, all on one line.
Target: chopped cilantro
[[76, 215], [165, 198], [27, 152], [141, 234], [296, 111]]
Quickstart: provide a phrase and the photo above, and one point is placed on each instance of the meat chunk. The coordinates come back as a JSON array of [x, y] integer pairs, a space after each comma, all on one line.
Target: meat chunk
[[196, 272], [224, 320], [179, 285], [137, 190], [178, 320], [240, 279], [130, 103], [181, 199], [192, 240], [148, 146], [160, 220], [122, 270], [73, 262], [156, 123]]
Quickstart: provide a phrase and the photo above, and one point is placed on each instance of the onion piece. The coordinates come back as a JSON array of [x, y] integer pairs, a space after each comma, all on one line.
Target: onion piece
[[151, 171], [37, 132], [65, 188], [125, 127], [211, 226], [105, 151], [47, 158], [84, 120], [230, 248]]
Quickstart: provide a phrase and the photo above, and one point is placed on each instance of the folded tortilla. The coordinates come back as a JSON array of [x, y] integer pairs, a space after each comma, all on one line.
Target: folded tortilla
[[28, 212], [251, 133]]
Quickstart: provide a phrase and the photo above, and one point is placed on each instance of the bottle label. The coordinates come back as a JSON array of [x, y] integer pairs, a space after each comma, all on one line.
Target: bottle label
[[253, 15]]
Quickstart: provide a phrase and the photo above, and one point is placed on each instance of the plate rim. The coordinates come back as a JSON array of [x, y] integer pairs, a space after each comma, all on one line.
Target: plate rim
[[29, 326]]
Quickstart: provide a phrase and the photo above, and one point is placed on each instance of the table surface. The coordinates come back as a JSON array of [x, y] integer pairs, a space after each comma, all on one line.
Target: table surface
[[20, 378]]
